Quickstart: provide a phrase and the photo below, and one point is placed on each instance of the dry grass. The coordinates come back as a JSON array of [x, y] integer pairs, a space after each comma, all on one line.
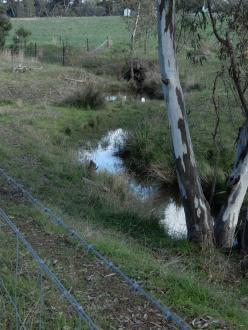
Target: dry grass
[[163, 175], [89, 96], [43, 83], [152, 85]]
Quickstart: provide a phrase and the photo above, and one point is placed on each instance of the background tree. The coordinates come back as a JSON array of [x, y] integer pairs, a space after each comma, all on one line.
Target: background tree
[[5, 26], [20, 39], [11, 8], [108, 6], [229, 22], [140, 23]]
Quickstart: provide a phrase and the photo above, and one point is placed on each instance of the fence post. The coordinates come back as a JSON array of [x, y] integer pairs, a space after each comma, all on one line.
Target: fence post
[[109, 42], [35, 50], [63, 50], [87, 45], [12, 59]]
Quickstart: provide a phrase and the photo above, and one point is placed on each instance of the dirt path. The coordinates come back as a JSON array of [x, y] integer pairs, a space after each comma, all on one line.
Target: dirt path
[[104, 296]]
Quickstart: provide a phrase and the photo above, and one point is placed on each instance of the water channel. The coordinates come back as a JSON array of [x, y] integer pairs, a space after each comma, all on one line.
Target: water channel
[[167, 208]]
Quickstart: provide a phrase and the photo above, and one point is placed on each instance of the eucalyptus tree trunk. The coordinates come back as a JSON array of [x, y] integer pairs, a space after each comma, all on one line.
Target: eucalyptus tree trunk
[[227, 221], [242, 232], [197, 210]]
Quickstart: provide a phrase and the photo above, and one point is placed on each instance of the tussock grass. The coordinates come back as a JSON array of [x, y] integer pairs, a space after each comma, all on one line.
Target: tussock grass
[[152, 85], [89, 96]]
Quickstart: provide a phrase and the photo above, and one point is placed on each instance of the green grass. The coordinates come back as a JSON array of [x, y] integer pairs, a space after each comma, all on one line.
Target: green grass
[[49, 34], [39, 142], [75, 31], [24, 282], [149, 145]]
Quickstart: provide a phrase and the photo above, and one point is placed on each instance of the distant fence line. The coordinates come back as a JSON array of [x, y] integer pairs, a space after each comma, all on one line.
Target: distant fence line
[[61, 52]]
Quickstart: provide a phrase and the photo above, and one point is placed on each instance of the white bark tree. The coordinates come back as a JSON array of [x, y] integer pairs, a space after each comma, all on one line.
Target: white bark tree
[[233, 40], [198, 217], [228, 218], [200, 223], [133, 38], [140, 23]]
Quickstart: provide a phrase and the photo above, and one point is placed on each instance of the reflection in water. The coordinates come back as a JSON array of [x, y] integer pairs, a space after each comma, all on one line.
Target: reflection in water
[[103, 156], [174, 219], [171, 212]]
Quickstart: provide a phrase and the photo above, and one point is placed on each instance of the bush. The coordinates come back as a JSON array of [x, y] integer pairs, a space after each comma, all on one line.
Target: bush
[[5, 26], [153, 89], [89, 97]]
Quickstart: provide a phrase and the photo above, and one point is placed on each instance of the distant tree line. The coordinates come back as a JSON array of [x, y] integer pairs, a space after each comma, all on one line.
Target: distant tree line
[[44, 8], [5, 26]]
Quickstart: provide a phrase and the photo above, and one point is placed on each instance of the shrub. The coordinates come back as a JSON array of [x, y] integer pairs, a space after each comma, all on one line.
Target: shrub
[[5, 26], [89, 97], [153, 89]]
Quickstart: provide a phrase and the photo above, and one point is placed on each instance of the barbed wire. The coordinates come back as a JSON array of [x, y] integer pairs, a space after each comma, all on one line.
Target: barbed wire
[[41, 263], [166, 312], [18, 317], [105, 43]]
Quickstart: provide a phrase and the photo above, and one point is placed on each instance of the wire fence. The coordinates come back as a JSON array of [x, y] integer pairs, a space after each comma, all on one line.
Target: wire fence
[[60, 53], [134, 286], [36, 297]]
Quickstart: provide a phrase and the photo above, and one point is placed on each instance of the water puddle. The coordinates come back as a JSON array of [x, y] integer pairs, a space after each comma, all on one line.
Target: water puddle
[[104, 158], [103, 154]]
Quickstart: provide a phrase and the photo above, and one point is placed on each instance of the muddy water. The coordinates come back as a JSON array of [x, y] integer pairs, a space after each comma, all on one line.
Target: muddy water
[[163, 203]]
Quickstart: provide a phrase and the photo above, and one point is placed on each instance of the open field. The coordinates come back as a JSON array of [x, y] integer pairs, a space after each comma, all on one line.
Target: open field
[[75, 31]]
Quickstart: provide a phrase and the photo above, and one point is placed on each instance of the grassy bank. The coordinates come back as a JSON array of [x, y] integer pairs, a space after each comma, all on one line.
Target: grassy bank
[[39, 144], [149, 146]]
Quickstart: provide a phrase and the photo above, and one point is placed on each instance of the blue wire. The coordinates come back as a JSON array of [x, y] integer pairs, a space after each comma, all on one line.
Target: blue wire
[[64, 292], [166, 312]]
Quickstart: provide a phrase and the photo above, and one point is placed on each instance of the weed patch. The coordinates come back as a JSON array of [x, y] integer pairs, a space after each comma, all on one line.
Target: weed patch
[[88, 97]]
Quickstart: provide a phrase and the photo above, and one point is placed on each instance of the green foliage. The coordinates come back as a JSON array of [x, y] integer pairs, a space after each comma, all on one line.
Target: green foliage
[[20, 38], [142, 20], [22, 34], [189, 5], [5, 26]]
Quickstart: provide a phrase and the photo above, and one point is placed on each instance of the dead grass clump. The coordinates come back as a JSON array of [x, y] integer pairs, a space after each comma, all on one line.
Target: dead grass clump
[[220, 268], [164, 175], [153, 89], [91, 96], [190, 83]]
